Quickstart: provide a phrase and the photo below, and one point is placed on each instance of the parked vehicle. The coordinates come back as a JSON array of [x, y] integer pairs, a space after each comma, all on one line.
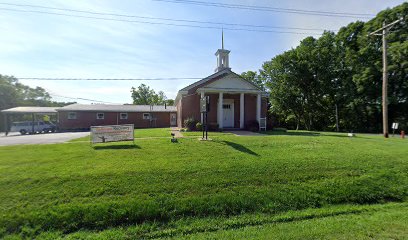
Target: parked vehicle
[[33, 127]]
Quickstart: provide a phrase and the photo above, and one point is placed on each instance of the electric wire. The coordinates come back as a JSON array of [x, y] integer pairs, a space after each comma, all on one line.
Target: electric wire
[[107, 79], [271, 9], [159, 18]]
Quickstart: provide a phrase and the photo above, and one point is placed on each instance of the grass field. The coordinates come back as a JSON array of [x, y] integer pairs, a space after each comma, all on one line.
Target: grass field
[[305, 184]]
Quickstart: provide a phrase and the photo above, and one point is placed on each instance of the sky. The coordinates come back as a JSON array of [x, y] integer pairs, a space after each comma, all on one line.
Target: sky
[[34, 44]]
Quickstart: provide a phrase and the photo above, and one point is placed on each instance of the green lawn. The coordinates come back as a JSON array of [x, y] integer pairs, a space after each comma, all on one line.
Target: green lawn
[[384, 222], [231, 187], [140, 133], [152, 132]]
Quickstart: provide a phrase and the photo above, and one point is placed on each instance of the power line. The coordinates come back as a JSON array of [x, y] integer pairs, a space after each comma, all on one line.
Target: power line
[[271, 9], [158, 18], [161, 23], [78, 98], [107, 79], [74, 98]]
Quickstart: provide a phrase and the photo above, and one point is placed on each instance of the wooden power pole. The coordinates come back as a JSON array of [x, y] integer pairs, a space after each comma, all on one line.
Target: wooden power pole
[[385, 30]]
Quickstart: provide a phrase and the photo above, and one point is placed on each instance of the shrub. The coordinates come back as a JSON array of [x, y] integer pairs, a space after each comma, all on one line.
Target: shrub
[[199, 126], [280, 129], [213, 127], [252, 126], [190, 124]]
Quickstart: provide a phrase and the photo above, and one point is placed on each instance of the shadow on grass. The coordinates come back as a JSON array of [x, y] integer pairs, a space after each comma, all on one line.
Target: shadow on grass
[[239, 147], [340, 136], [300, 133], [344, 135], [122, 146], [311, 134]]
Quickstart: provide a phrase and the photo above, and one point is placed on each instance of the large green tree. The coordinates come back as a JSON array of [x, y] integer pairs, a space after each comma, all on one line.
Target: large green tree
[[341, 74], [144, 95], [13, 94], [254, 78]]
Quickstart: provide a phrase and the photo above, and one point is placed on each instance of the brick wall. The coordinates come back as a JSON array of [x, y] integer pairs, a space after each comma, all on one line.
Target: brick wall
[[87, 119], [189, 106], [179, 113]]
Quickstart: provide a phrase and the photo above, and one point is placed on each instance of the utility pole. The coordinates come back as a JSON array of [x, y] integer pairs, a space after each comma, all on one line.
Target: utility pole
[[385, 30]]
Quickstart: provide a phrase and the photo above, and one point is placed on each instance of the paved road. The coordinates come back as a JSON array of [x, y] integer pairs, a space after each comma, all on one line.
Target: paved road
[[17, 139]]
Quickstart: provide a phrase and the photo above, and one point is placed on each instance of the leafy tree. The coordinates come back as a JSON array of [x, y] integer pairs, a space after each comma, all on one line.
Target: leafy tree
[[13, 94], [254, 78], [170, 102], [144, 95], [9, 94], [341, 71]]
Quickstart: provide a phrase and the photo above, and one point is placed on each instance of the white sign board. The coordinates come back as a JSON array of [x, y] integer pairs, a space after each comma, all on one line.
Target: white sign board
[[395, 126], [112, 133]]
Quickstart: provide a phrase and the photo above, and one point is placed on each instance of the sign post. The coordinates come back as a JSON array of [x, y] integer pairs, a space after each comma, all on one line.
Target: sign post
[[394, 127], [205, 108], [112, 133]]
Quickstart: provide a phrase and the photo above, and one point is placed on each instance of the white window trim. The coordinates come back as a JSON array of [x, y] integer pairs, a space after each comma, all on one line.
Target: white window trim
[[98, 118], [72, 118], [123, 118], [146, 118]]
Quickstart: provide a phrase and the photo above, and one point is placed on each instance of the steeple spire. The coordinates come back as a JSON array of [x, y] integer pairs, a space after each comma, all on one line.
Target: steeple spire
[[222, 33], [222, 56]]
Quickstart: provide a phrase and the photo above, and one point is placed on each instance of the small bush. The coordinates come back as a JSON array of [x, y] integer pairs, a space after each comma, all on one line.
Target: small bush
[[190, 124], [252, 126], [199, 126], [280, 129], [213, 127]]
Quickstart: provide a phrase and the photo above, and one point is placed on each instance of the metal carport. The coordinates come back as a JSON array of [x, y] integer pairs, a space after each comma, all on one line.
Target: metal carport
[[33, 111]]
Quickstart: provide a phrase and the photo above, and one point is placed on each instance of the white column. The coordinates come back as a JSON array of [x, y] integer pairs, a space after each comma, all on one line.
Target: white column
[[258, 108], [241, 111], [220, 111], [202, 115]]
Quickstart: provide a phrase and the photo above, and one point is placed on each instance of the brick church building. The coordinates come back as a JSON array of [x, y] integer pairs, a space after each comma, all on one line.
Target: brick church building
[[234, 102]]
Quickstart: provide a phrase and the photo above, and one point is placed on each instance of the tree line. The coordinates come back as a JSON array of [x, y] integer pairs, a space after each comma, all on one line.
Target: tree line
[[339, 74], [15, 94]]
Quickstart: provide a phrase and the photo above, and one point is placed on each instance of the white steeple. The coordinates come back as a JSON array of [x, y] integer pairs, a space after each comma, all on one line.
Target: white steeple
[[222, 56]]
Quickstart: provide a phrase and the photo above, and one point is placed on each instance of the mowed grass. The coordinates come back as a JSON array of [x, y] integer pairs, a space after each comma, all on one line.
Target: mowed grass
[[384, 222], [73, 188], [139, 133]]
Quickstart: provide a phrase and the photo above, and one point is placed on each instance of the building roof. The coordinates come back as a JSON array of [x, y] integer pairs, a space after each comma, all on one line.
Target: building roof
[[117, 108], [38, 110], [214, 77], [224, 72]]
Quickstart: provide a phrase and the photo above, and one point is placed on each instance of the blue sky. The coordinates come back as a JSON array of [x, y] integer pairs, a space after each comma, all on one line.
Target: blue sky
[[41, 45]]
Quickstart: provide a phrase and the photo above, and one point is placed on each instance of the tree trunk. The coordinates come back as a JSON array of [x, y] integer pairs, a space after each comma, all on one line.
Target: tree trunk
[[297, 122], [337, 118]]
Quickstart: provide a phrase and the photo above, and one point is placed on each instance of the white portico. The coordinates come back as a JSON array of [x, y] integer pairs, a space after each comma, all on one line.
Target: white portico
[[227, 103], [234, 101]]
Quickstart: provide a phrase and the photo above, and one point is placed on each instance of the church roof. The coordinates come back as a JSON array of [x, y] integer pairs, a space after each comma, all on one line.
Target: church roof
[[192, 88], [216, 75]]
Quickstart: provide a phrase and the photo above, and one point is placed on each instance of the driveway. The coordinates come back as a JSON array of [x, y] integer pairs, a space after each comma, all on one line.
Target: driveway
[[48, 138]]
